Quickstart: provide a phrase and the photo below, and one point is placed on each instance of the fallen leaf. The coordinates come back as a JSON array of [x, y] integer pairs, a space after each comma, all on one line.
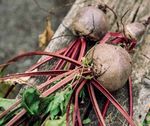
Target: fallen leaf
[[45, 37]]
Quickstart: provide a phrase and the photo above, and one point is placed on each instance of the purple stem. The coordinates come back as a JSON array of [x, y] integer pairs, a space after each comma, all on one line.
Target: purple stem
[[105, 108], [130, 98], [76, 112], [38, 64], [95, 105], [113, 101], [39, 73]]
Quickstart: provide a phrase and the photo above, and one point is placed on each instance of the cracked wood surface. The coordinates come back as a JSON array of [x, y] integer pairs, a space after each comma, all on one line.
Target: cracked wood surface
[[141, 65]]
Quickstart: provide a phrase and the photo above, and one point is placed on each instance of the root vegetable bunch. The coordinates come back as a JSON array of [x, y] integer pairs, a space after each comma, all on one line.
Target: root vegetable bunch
[[78, 75], [56, 101]]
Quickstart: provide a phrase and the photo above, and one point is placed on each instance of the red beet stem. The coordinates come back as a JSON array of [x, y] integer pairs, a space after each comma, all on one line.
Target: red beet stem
[[43, 53], [39, 73], [67, 53], [3, 66], [118, 40], [69, 103], [60, 84], [9, 109], [16, 118], [48, 82], [75, 53], [32, 68], [108, 35], [60, 64], [104, 110], [38, 64], [40, 87], [68, 109], [95, 105], [44, 94], [76, 112], [130, 98], [74, 85], [83, 49], [113, 101]]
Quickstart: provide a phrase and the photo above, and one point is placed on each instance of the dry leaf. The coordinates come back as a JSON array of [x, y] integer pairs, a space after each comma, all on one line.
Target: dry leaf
[[45, 37]]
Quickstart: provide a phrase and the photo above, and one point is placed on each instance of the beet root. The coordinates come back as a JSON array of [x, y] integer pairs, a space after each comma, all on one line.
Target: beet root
[[90, 21], [135, 30], [111, 64]]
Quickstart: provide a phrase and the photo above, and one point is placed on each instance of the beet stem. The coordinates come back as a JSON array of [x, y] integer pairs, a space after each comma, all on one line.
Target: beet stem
[[75, 53], [95, 105], [60, 84], [83, 49], [3, 66], [68, 109], [43, 53], [38, 64], [67, 53], [16, 118], [113, 101], [32, 68], [130, 98], [9, 109], [39, 73], [108, 35], [44, 94], [76, 113], [105, 108], [41, 86]]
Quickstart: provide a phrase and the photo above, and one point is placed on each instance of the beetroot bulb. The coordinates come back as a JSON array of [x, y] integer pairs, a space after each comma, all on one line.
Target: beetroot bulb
[[111, 64], [90, 21]]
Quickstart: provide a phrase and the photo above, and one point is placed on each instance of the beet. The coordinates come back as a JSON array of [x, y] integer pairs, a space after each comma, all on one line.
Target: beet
[[111, 64], [90, 21], [135, 30]]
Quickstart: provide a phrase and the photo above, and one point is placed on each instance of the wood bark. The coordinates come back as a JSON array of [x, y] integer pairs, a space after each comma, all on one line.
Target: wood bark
[[138, 9]]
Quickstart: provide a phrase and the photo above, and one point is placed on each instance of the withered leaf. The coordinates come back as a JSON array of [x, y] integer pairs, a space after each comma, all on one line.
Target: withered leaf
[[45, 37]]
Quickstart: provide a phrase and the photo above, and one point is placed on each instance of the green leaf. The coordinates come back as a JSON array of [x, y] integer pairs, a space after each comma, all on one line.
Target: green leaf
[[6, 103], [55, 105], [44, 102], [54, 113], [31, 101], [86, 61], [89, 77], [52, 123], [86, 121], [62, 107], [58, 102], [67, 96], [58, 122]]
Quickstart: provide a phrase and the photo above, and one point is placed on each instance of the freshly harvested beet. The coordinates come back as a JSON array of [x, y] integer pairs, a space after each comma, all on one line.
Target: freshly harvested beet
[[90, 21], [135, 30], [112, 65]]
